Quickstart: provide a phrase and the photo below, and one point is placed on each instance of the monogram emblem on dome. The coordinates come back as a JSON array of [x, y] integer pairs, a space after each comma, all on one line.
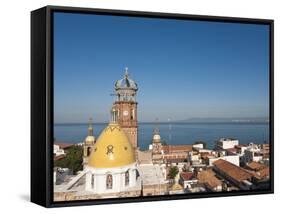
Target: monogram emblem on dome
[[109, 149]]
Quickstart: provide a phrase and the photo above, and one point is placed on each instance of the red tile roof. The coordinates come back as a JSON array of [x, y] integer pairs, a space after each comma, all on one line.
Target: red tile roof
[[235, 172], [186, 176], [255, 166], [176, 148], [264, 173], [208, 176]]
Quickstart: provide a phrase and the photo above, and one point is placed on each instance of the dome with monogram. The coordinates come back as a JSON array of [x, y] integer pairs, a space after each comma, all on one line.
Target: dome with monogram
[[112, 149]]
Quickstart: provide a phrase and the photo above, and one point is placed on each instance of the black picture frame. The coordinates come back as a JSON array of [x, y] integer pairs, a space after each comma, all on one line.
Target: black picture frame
[[42, 104]]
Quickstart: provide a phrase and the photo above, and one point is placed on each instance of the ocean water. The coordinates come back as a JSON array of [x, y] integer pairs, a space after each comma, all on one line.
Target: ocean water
[[175, 133]]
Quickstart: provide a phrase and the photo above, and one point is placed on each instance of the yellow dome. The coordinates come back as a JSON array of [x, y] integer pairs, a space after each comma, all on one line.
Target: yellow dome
[[112, 149]]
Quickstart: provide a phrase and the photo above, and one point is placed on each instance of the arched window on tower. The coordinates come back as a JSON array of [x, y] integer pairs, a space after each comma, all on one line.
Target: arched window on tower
[[93, 181], [109, 181], [127, 179], [137, 174], [88, 151]]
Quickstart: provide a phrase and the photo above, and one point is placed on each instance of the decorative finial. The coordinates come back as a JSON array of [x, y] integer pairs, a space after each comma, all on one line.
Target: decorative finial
[[90, 129], [126, 72], [156, 129]]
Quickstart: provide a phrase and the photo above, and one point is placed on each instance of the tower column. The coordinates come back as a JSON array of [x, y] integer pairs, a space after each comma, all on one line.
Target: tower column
[[126, 106]]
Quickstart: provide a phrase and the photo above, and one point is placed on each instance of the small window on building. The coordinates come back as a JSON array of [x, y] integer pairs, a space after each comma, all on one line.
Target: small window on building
[[93, 181], [127, 179], [109, 181], [137, 174]]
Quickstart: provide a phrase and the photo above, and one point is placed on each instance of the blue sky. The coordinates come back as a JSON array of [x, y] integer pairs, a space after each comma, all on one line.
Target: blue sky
[[184, 69]]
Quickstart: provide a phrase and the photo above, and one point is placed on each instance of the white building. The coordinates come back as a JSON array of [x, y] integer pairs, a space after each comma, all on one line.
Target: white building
[[241, 149], [227, 143], [60, 174], [198, 146], [194, 156], [57, 150], [153, 179], [253, 153], [187, 179]]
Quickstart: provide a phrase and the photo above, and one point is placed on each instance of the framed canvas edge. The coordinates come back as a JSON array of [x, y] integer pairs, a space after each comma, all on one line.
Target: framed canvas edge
[[38, 152], [49, 104]]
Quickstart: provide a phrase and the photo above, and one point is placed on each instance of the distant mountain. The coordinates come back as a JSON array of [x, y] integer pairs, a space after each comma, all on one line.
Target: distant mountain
[[225, 120]]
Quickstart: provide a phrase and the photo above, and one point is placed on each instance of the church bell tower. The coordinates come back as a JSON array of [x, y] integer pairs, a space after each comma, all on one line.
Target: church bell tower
[[156, 147], [89, 143], [126, 107]]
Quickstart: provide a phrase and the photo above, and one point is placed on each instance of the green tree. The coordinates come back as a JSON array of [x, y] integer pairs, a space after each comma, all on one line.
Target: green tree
[[173, 171], [164, 143], [73, 159]]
